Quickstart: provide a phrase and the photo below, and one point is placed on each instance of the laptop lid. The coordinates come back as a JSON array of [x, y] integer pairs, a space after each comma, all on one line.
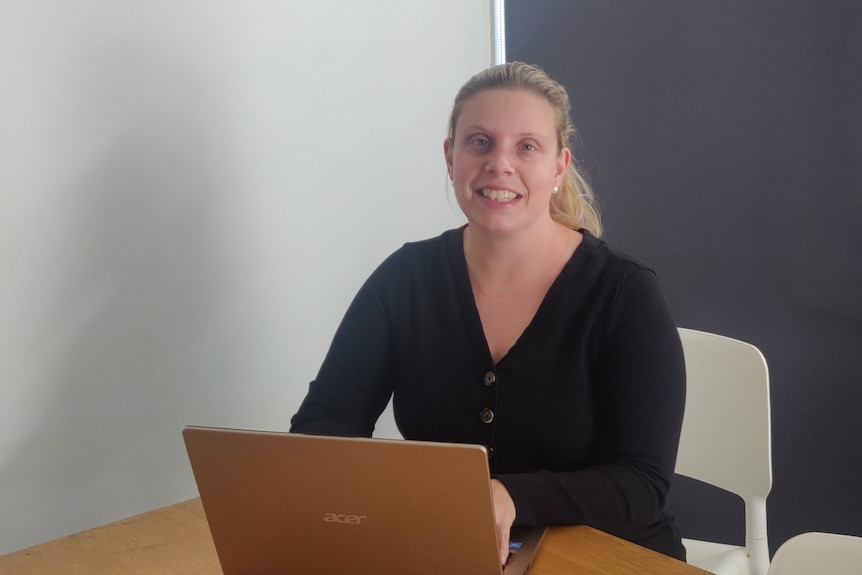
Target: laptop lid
[[289, 503]]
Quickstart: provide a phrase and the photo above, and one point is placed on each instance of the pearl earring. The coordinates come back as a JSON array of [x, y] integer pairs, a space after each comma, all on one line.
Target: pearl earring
[[556, 189]]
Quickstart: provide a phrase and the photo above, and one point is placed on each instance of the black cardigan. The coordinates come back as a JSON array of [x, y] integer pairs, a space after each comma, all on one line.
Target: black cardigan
[[583, 414]]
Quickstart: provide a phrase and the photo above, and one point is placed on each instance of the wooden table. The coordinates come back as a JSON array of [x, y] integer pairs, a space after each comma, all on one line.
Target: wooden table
[[176, 539]]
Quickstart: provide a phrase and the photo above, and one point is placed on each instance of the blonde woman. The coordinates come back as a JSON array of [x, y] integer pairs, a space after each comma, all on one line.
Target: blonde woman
[[521, 331]]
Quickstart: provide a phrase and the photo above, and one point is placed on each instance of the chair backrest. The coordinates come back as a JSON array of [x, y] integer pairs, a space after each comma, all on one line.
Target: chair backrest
[[814, 553], [726, 438]]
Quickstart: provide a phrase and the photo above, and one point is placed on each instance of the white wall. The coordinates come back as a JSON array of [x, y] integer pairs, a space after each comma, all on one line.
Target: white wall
[[190, 194]]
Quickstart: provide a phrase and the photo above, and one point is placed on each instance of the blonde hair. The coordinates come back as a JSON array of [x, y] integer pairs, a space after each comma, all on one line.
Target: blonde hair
[[575, 204]]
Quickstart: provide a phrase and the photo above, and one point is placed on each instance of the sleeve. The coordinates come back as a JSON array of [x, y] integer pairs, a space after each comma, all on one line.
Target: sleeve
[[639, 383], [356, 379]]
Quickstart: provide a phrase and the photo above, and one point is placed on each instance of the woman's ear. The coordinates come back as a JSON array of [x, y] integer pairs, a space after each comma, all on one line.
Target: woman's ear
[[447, 152], [563, 161]]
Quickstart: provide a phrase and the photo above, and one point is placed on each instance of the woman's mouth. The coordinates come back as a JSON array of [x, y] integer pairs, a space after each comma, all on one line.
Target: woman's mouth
[[502, 196]]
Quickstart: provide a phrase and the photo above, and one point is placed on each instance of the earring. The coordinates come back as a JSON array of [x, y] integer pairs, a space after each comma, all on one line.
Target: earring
[[556, 189]]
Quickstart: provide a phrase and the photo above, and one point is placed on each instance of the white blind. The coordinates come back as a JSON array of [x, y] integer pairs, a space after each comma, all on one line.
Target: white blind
[[190, 194]]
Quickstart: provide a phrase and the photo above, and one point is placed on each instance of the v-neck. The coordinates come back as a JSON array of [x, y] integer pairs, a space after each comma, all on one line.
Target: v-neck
[[546, 307]]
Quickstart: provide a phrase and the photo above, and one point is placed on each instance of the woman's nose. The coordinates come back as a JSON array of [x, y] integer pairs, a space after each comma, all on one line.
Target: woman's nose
[[499, 162]]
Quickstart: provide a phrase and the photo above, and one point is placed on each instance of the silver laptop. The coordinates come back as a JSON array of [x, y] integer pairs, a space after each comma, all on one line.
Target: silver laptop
[[280, 503]]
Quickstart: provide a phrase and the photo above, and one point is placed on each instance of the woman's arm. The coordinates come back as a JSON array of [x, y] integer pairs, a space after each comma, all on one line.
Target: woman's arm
[[639, 391], [355, 381]]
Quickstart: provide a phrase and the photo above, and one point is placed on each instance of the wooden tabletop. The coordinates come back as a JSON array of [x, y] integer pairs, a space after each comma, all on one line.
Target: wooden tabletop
[[584, 550], [176, 539]]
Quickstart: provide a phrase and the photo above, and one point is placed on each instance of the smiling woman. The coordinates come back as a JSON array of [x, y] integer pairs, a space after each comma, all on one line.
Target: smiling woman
[[504, 160], [574, 203], [521, 331]]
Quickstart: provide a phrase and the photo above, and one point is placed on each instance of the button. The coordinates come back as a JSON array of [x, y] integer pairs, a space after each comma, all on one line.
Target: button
[[487, 415], [490, 451], [490, 378]]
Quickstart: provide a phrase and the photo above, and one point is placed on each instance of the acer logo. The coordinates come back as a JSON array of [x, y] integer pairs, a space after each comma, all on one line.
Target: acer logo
[[343, 518]]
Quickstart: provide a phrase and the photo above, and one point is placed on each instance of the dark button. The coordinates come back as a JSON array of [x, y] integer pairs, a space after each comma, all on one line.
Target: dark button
[[490, 451], [487, 415], [490, 378]]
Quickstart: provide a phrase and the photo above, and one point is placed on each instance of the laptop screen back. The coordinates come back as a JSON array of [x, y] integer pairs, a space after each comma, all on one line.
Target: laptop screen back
[[289, 503]]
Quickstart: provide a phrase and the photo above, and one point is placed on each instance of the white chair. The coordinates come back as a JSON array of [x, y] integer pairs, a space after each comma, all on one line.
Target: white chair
[[816, 553], [726, 442]]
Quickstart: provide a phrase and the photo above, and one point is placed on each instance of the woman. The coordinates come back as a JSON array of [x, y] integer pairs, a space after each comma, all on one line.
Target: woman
[[520, 331]]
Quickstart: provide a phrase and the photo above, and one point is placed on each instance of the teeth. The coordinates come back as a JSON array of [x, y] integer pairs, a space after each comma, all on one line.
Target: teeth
[[499, 195]]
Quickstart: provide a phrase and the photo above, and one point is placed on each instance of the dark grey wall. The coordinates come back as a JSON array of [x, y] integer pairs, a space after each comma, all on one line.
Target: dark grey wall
[[724, 138]]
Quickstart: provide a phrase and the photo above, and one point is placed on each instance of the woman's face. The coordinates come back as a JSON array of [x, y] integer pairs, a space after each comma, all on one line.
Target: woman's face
[[504, 161]]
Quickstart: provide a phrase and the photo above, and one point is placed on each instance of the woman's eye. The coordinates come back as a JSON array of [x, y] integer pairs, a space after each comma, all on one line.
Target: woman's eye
[[481, 142], [528, 147]]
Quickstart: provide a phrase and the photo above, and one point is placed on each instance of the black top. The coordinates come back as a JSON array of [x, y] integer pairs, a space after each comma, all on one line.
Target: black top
[[582, 416]]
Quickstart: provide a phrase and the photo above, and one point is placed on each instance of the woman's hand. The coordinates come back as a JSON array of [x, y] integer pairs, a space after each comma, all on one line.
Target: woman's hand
[[504, 512]]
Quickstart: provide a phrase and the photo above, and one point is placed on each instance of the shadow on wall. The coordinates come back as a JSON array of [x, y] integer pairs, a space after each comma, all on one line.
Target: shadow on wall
[[119, 296]]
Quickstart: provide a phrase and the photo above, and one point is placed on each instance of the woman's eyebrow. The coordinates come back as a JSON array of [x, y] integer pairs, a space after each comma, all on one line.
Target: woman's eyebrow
[[473, 128]]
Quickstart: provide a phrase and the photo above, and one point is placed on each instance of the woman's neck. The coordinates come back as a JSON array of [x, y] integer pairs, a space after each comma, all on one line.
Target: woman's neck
[[499, 259]]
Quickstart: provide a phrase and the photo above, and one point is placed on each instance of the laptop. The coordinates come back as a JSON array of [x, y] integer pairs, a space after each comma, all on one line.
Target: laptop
[[280, 503]]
